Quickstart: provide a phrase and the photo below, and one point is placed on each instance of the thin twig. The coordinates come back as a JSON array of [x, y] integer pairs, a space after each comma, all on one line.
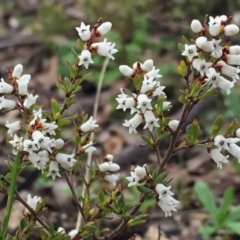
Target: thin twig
[[95, 110]]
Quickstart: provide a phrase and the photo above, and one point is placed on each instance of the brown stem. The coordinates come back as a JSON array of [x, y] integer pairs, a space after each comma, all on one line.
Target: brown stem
[[79, 207]]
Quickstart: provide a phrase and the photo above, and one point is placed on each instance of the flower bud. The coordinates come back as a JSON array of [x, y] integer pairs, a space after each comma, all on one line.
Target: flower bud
[[147, 65], [231, 30], [108, 157], [58, 143], [234, 50], [173, 124], [104, 167], [104, 28], [140, 172], [113, 167], [201, 42], [23, 84], [196, 26], [126, 70], [5, 87], [238, 133], [233, 59], [17, 71]]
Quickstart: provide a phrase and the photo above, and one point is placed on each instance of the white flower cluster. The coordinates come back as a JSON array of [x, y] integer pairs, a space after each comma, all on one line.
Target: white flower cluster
[[228, 144], [104, 48], [108, 167], [218, 69], [141, 104], [166, 202]]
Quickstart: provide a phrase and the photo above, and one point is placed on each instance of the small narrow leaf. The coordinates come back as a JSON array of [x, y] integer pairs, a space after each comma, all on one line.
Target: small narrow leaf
[[217, 125]]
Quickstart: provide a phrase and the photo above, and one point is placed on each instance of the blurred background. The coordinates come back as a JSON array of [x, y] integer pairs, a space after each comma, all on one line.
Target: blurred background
[[40, 35]]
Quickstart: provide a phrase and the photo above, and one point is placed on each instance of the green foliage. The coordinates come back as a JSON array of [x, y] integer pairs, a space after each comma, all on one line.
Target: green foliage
[[223, 217]]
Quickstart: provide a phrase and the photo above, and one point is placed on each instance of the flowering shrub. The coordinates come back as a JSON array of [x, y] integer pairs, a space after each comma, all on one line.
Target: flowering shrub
[[36, 140]]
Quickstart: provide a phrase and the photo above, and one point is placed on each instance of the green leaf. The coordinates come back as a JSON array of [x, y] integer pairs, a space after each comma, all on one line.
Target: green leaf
[[182, 68], [182, 99], [101, 196], [137, 81], [184, 40], [196, 88], [143, 189], [224, 208], [163, 136], [181, 47], [234, 214], [217, 125], [213, 93], [206, 197], [232, 127], [207, 231], [55, 109], [160, 177], [233, 226], [196, 128], [23, 223]]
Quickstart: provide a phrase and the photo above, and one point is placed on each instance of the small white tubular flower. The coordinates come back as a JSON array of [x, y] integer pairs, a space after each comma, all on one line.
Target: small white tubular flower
[[32, 202], [73, 233], [13, 127], [53, 170], [153, 74], [196, 26], [214, 25], [61, 230], [89, 125], [66, 160], [23, 82], [6, 103], [49, 128], [104, 167], [234, 50], [219, 81], [17, 144], [134, 180], [202, 42], [150, 120], [85, 58], [221, 142], [17, 71], [159, 91], [104, 28], [218, 157], [190, 51], [233, 59], [89, 148], [113, 167], [47, 144], [147, 65], [231, 30], [134, 122], [173, 124], [29, 146], [5, 87], [58, 143], [140, 171], [105, 49], [148, 84], [202, 66], [37, 161], [234, 149], [166, 202], [84, 31], [229, 70], [126, 70], [238, 132], [144, 102], [30, 100], [124, 101], [216, 48], [112, 178], [38, 137]]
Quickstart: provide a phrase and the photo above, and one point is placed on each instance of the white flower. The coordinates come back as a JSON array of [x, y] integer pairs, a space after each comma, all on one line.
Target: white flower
[[147, 84], [104, 28], [126, 70], [58, 143], [202, 42], [17, 144], [202, 66], [105, 49], [42, 141], [141, 171], [214, 25], [17, 71], [23, 82], [153, 74], [89, 125], [112, 178], [85, 58], [134, 122], [238, 132], [29, 146], [159, 91], [37, 116], [30, 100], [53, 170], [234, 50], [229, 70], [61, 230], [233, 59], [234, 149], [49, 128], [84, 31], [89, 148], [6, 103], [108, 165], [124, 101], [190, 51], [137, 177], [166, 202], [221, 142], [173, 124], [150, 120], [144, 102], [231, 30], [32, 202], [218, 157], [219, 81], [66, 160], [147, 65], [216, 48], [12, 127], [39, 160], [73, 233], [5, 87], [196, 26]]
